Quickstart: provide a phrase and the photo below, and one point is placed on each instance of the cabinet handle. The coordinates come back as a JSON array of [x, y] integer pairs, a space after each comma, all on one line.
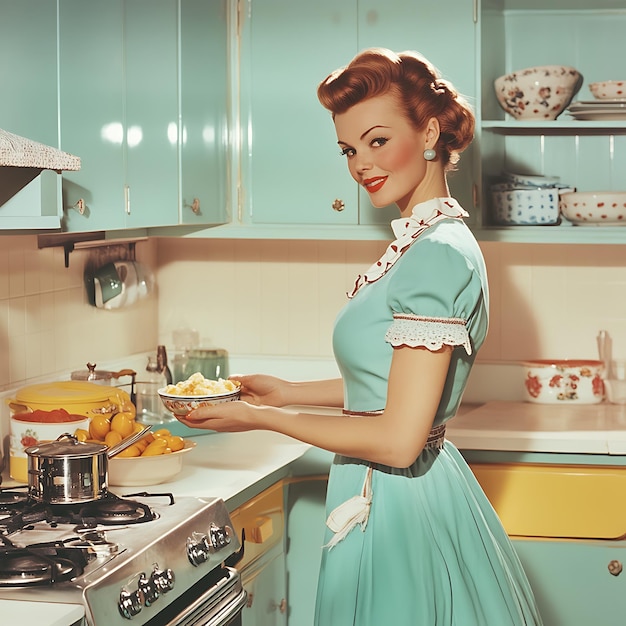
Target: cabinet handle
[[338, 205], [250, 599], [194, 206], [127, 199], [261, 530], [80, 206], [615, 567]]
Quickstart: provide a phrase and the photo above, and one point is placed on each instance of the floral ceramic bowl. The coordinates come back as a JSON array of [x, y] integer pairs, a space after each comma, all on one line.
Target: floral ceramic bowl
[[182, 405], [564, 381], [594, 208], [609, 89], [537, 93]]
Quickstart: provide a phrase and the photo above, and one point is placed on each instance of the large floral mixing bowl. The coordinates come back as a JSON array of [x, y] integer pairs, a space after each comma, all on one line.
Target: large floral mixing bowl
[[564, 381], [537, 93]]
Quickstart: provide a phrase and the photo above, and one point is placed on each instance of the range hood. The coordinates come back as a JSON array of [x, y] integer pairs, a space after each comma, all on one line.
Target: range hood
[[30, 183]]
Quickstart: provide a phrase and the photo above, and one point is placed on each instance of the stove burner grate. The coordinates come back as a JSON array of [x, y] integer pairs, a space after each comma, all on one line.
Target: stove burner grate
[[40, 564]]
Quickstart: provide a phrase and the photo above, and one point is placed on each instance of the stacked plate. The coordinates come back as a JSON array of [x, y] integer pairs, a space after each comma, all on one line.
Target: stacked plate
[[607, 109]]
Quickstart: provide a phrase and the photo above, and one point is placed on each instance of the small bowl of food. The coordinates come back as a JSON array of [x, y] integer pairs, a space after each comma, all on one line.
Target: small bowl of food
[[564, 381], [594, 208], [537, 93], [197, 391], [608, 89]]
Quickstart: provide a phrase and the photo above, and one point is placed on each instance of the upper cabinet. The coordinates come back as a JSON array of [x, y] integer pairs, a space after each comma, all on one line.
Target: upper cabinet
[[589, 155], [292, 171]]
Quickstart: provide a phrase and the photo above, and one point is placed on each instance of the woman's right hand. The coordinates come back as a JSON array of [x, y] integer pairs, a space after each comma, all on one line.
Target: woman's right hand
[[262, 389]]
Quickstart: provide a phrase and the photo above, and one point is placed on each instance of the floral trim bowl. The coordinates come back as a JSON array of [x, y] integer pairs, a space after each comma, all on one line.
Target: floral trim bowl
[[608, 89], [537, 93], [594, 208], [564, 381], [182, 405]]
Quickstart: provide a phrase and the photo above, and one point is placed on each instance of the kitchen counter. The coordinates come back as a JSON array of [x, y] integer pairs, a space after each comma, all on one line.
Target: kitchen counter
[[238, 466], [547, 428]]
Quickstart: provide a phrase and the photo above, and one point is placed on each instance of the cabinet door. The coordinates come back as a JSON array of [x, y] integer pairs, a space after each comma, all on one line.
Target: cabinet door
[[151, 112], [292, 169], [204, 80], [572, 582], [416, 25], [92, 111], [28, 69], [267, 605]]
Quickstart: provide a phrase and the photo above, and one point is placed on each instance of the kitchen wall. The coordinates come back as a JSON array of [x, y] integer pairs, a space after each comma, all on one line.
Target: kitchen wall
[[281, 297], [47, 325]]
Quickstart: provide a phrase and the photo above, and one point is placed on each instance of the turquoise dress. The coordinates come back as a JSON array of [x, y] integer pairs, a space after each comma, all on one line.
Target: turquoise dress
[[431, 550]]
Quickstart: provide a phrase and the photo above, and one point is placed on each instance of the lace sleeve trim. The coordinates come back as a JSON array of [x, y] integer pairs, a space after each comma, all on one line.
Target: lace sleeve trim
[[429, 332]]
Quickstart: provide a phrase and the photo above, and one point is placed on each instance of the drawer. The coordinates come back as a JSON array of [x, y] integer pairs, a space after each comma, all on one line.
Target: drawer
[[544, 500], [263, 520]]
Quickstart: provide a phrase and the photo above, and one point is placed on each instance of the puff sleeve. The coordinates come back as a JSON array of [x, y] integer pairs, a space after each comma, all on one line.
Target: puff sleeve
[[433, 294]]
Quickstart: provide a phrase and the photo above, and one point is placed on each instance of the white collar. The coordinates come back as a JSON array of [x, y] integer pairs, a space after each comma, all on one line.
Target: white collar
[[406, 231]]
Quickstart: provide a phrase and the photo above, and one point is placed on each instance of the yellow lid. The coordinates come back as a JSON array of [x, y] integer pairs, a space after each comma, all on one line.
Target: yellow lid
[[65, 392]]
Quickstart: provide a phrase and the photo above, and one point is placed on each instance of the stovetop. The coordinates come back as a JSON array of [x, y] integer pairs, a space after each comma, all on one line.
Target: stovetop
[[119, 553]]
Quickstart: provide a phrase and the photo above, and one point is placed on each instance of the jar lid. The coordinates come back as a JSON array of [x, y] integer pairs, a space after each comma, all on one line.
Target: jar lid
[[66, 445], [64, 392]]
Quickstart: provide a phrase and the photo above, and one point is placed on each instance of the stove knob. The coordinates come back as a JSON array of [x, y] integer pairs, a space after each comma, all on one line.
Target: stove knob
[[148, 589], [220, 537], [163, 579], [198, 550], [130, 603]]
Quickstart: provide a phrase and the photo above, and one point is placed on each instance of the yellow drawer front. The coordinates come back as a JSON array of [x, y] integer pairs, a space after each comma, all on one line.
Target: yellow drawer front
[[556, 500], [263, 520]]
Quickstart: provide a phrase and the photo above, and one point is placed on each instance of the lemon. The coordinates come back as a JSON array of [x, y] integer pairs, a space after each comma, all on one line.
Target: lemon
[[156, 448], [99, 427], [123, 423], [81, 434], [175, 443], [131, 451], [112, 438]]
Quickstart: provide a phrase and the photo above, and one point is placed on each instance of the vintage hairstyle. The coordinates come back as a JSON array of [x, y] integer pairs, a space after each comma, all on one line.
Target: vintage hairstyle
[[422, 93]]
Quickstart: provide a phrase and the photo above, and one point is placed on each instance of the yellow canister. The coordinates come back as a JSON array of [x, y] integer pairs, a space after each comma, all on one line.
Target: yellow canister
[[75, 396]]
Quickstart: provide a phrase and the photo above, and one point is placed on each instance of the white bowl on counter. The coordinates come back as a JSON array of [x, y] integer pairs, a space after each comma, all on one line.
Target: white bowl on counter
[[594, 208], [564, 381]]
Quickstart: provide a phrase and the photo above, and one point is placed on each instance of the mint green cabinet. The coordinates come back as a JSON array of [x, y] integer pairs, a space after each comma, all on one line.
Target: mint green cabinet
[[119, 112], [292, 170], [28, 69], [265, 588], [204, 76]]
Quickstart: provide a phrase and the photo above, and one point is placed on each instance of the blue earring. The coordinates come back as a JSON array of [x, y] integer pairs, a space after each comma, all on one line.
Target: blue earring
[[429, 154]]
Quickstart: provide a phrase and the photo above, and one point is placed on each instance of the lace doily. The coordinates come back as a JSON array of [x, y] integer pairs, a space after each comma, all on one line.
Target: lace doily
[[406, 231], [431, 332]]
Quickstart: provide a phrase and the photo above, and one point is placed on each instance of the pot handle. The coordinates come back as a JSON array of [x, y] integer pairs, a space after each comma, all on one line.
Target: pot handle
[[122, 445]]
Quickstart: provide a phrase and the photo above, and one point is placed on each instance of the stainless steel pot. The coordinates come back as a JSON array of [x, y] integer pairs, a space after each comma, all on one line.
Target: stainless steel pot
[[67, 471]]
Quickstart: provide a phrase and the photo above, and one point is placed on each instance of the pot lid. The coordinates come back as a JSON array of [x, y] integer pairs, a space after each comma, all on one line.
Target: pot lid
[[91, 373], [66, 446], [65, 392]]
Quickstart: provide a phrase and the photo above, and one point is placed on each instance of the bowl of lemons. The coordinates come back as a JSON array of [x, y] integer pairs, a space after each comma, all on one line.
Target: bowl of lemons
[[155, 458]]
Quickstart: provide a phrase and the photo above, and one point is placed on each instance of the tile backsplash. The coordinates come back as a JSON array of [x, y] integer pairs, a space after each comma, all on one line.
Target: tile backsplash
[[281, 297]]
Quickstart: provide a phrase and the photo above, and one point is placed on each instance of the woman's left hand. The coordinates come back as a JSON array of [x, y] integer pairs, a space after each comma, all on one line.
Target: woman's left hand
[[237, 416]]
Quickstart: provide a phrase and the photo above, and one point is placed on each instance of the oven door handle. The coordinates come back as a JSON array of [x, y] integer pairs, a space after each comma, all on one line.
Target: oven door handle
[[235, 557]]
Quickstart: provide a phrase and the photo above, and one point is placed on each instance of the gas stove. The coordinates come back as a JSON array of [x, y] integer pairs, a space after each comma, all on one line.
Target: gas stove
[[145, 558]]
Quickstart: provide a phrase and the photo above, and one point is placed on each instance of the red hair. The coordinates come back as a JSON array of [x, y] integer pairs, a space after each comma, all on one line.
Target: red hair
[[420, 90]]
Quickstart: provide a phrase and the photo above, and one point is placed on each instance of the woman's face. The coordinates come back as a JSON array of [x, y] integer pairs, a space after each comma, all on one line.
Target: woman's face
[[385, 153]]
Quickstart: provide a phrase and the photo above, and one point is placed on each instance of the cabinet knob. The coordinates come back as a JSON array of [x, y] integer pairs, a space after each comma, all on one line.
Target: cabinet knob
[[338, 205], [80, 206], [615, 567], [194, 206]]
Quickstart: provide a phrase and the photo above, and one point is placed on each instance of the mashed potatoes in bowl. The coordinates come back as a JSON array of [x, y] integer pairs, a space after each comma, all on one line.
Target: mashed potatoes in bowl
[[196, 391]]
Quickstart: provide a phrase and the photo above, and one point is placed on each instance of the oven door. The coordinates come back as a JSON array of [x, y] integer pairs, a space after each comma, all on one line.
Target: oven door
[[216, 600]]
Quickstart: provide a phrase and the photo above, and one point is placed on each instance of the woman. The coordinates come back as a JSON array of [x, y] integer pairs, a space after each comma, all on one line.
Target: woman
[[411, 538]]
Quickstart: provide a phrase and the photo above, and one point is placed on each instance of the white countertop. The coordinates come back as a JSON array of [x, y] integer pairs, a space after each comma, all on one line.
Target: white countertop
[[529, 427]]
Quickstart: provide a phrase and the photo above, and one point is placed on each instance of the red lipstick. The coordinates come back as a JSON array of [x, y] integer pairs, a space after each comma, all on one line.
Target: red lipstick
[[372, 185]]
